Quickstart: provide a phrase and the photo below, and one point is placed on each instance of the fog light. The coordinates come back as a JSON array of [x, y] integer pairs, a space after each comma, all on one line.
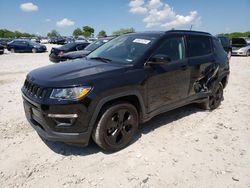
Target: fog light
[[63, 120]]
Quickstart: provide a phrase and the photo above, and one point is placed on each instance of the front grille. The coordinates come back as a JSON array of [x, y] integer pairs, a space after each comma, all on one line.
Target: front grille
[[34, 90]]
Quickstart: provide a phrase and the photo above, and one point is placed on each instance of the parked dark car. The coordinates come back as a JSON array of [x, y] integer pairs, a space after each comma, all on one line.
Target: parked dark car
[[1, 49], [5, 41], [83, 53], [56, 54], [123, 83], [20, 45], [57, 40], [241, 46], [227, 45]]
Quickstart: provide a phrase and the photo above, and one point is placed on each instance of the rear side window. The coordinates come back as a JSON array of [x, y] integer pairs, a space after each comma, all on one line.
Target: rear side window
[[198, 46], [218, 46]]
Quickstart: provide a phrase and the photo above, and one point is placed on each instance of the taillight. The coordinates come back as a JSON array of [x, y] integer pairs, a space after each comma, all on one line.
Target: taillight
[[60, 54]]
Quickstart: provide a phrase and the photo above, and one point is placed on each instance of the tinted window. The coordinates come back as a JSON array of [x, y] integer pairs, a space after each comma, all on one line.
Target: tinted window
[[173, 48], [95, 45], [22, 43], [199, 45], [81, 46], [126, 49], [239, 42], [218, 47], [224, 41]]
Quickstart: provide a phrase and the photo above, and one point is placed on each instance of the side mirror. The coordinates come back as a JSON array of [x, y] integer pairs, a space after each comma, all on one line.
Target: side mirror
[[159, 59]]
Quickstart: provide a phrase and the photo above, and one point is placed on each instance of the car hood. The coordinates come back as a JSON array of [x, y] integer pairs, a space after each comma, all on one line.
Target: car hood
[[76, 72], [76, 54]]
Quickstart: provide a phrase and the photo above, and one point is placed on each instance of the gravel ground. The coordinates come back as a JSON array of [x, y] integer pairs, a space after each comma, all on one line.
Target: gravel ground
[[186, 147]]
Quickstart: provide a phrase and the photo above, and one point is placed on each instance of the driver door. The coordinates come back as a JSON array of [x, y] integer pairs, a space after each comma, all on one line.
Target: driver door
[[168, 83]]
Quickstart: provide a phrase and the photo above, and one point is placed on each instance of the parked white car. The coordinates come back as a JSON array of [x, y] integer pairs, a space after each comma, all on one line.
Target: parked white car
[[241, 46], [80, 39], [90, 40], [44, 41]]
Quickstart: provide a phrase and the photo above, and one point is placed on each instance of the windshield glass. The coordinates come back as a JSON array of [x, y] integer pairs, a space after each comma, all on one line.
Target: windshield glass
[[95, 45], [125, 49]]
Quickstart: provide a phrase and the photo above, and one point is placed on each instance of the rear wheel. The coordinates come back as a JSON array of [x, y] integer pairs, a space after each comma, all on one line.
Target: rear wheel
[[116, 127], [214, 100]]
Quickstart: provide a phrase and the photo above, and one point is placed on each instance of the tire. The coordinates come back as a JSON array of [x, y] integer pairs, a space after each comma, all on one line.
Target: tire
[[229, 54], [214, 100], [34, 50], [12, 50], [116, 127], [248, 53]]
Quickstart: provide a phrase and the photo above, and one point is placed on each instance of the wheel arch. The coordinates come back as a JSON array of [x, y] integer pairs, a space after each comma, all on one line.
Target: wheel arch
[[224, 79], [133, 97]]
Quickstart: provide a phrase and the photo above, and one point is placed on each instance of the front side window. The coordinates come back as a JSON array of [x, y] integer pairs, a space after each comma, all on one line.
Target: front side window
[[126, 49], [199, 45], [173, 48]]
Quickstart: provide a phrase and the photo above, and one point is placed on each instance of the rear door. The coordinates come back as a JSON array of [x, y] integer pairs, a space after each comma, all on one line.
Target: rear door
[[169, 83], [200, 56]]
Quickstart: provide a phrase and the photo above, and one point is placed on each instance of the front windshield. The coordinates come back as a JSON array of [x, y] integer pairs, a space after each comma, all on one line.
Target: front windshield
[[126, 49], [95, 45]]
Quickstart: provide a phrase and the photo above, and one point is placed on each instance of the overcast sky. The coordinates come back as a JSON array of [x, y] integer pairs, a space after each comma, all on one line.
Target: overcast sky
[[41, 16]]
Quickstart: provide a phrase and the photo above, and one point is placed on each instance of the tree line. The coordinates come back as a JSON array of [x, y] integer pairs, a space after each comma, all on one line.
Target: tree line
[[85, 31], [236, 34], [88, 31], [5, 33]]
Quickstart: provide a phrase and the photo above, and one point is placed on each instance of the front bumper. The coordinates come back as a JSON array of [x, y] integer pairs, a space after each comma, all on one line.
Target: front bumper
[[76, 132], [239, 53]]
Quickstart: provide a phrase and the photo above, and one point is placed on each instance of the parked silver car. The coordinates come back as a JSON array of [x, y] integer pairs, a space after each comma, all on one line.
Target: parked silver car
[[241, 46]]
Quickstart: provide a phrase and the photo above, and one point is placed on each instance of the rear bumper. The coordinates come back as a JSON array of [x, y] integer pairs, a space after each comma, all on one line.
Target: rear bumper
[[54, 59]]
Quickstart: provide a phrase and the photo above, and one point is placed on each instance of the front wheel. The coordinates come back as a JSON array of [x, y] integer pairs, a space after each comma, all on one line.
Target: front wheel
[[214, 100], [116, 127], [34, 50], [248, 53]]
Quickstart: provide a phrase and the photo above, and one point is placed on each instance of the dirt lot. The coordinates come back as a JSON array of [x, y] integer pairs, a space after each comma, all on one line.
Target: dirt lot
[[187, 147]]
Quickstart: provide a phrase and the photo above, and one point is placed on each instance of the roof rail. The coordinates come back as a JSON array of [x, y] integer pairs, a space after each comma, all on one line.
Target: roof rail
[[187, 31]]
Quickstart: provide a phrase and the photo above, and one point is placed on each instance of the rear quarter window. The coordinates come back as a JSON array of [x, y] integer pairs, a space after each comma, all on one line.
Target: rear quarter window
[[198, 45], [218, 46]]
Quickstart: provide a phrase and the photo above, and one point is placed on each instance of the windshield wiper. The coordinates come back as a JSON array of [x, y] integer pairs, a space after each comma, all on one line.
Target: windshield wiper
[[105, 60]]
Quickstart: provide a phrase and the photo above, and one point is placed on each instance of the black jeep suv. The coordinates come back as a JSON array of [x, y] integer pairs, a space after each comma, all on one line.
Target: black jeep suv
[[125, 82]]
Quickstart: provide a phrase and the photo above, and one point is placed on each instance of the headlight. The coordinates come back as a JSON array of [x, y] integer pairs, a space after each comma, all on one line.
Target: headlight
[[75, 93]]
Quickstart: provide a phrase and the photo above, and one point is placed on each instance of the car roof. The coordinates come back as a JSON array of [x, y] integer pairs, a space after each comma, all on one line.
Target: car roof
[[160, 33]]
